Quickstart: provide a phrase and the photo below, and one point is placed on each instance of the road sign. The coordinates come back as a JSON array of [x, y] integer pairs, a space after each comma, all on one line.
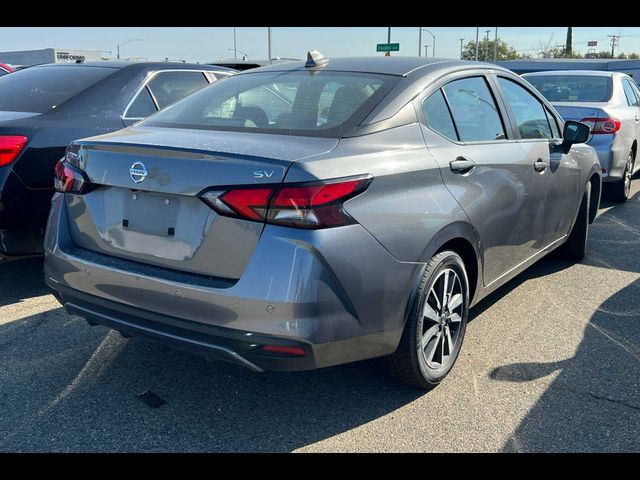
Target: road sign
[[592, 43], [388, 47]]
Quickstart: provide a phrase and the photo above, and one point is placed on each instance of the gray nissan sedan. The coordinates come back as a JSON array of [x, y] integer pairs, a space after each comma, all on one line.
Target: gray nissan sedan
[[316, 213]]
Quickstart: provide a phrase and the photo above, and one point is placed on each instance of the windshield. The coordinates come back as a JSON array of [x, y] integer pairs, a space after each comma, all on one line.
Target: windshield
[[312, 103], [573, 88], [39, 89]]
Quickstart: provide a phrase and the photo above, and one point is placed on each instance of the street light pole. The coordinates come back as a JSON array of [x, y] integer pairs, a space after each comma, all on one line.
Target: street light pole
[[486, 52], [477, 37], [495, 46], [269, 41], [425, 50], [461, 40], [419, 41], [433, 48], [123, 44]]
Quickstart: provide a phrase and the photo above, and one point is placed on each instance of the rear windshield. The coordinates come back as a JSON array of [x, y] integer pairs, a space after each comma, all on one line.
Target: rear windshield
[[573, 88], [39, 89], [323, 104]]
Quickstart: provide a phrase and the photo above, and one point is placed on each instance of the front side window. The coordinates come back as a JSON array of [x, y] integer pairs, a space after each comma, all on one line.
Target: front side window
[[555, 130], [474, 110], [437, 115], [314, 103], [632, 100], [529, 113]]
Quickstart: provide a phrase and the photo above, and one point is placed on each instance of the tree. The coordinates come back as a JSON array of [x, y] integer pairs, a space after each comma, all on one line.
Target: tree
[[568, 49], [485, 50], [633, 56]]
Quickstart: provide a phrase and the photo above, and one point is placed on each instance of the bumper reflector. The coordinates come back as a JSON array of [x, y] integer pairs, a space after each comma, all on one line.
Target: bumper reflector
[[297, 351]]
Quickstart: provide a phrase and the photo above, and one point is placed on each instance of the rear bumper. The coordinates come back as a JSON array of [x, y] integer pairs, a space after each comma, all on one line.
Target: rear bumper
[[612, 153], [336, 293]]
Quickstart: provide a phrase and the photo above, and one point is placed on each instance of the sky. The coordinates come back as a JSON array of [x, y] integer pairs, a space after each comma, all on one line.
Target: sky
[[196, 44]]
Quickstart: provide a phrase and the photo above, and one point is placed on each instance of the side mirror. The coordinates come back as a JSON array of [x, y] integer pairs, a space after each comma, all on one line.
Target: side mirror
[[574, 132]]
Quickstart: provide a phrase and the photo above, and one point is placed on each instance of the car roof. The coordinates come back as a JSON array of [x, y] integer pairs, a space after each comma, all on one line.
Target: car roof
[[121, 64], [592, 73], [400, 66]]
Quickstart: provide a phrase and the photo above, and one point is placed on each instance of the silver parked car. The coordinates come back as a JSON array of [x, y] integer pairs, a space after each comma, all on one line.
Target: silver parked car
[[304, 215], [609, 102]]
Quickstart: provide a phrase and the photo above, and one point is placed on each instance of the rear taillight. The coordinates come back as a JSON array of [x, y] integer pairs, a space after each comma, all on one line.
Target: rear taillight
[[602, 125], [312, 205], [10, 147], [70, 179]]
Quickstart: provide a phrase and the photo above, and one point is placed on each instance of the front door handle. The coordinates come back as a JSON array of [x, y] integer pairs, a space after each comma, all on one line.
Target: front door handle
[[461, 165], [637, 118], [540, 165]]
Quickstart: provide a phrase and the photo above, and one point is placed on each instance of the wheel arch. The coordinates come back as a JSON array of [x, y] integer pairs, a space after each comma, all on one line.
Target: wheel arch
[[461, 238]]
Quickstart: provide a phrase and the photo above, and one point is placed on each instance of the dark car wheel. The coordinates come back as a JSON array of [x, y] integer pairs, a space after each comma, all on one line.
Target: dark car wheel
[[434, 331], [575, 247], [620, 190]]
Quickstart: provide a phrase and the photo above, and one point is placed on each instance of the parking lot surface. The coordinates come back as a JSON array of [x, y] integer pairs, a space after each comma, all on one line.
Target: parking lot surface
[[551, 362]]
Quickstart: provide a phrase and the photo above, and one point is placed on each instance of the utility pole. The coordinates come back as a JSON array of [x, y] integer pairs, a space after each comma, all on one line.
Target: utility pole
[[269, 41], [235, 52], [419, 41], [495, 46], [477, 35], [486, 52], [425, 50], [614, 41], [461, 40], [388, 34]]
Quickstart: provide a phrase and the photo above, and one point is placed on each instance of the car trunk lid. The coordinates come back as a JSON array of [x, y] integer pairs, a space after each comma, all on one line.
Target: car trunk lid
[[160, 219]]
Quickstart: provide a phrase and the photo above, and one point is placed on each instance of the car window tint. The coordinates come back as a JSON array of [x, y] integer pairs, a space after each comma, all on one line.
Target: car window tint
[[438, 116], [474, 110], [40, 89], [142, 106], [529, 113], [169, 87], [629, 92]]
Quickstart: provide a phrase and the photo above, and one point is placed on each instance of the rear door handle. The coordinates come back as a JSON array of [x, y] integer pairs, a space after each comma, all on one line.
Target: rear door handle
[[461, 165], [540, 165]]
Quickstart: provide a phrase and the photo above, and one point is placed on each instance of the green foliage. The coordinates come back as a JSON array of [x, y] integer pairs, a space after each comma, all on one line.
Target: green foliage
[[485, 51]]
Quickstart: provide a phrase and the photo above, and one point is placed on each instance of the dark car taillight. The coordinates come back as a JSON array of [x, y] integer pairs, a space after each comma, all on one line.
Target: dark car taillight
[[311, 205], [10, 147], [70, 179], [602, 125]]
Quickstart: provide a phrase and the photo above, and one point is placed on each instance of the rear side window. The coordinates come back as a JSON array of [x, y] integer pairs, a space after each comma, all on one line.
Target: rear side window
[[40, 89], [474, 110], [318, 103], [629, 92], [573, 88], [530, 115], [142, 106], [438, 116], [169, 87]]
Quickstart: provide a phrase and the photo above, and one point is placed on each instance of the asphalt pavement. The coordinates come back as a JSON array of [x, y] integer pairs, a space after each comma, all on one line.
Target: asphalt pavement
[[551, 362]]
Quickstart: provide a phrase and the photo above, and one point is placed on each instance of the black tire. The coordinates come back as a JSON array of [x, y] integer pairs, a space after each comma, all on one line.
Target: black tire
[[409, 364], [575, 247], [620, 190]]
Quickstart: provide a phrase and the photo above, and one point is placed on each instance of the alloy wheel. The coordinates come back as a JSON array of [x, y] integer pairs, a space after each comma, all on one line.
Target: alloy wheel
[[442, 317]]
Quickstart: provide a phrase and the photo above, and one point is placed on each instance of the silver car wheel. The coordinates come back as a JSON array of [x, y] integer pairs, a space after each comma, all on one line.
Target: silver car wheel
[[442, 316]]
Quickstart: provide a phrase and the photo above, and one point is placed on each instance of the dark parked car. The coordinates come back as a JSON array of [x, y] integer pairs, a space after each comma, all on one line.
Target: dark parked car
[[45, 107], [304, 215]]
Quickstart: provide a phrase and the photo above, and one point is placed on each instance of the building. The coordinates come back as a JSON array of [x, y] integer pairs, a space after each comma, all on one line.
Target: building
[[630, 67], [49, 55]]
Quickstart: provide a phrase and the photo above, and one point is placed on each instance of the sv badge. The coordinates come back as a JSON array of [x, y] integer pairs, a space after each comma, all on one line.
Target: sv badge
[[263, 174]]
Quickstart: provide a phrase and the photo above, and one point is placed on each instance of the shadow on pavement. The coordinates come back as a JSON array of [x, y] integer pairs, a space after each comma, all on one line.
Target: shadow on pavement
[[603, 377], [21, 279]]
